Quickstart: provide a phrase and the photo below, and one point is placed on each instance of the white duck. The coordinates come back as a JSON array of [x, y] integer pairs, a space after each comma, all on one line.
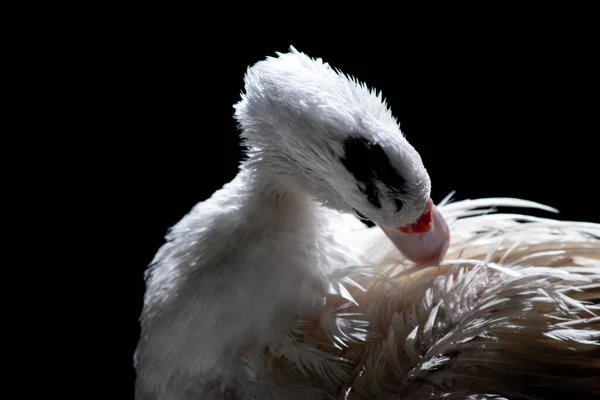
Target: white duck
[[243, 263], [277, 247]]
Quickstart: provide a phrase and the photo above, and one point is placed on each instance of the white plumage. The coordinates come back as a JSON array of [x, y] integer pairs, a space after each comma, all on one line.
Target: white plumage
[[271, 289]]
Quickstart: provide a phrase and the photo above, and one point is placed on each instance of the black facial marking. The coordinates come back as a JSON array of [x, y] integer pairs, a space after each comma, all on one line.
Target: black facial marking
[[369, 163]]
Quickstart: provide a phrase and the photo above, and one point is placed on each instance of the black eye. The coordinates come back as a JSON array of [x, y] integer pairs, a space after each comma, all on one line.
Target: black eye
[[399, 204], [360, 215]]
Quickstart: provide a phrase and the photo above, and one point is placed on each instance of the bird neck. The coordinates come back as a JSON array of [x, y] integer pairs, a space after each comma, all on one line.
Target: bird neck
[[273, 196]]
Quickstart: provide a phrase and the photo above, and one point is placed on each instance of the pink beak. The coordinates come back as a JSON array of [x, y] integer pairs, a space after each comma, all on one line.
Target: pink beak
[[424, 242]]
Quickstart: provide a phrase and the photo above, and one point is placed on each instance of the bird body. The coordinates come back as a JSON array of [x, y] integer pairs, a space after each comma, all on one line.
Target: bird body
[[234, 273], [273, 289]]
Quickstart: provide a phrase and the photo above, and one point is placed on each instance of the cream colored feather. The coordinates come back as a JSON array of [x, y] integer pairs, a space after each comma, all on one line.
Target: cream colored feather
[[513, 310]]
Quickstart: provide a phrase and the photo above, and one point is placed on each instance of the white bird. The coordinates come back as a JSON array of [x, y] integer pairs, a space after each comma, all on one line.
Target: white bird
[[272, 289]]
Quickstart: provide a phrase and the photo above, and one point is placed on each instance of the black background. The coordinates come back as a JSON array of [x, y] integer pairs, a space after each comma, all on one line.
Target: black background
[[493, 112]]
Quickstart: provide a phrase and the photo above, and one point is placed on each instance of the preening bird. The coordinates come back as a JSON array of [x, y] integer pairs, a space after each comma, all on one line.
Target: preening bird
[[273, 289]]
